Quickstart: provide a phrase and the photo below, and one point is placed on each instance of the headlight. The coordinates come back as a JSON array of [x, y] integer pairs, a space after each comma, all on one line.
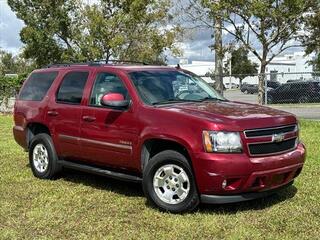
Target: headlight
[[217, 141]]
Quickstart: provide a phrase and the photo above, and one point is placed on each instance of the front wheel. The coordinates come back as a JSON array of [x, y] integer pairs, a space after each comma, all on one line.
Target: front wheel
[[169, 184]]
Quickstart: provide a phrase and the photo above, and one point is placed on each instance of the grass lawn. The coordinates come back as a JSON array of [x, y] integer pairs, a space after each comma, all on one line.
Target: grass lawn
[[83, 206]]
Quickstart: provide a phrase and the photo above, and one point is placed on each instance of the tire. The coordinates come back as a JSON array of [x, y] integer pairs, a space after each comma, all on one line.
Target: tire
[[179, 183], [43, 157]]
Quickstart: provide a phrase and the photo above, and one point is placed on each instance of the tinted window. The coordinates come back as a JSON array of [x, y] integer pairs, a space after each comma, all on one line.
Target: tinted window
[[37, 86], [285, 87], [297, 86], [72, 86], [107, 83]]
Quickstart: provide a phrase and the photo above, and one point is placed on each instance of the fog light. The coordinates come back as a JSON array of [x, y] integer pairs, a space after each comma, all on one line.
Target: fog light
[[224, 184]]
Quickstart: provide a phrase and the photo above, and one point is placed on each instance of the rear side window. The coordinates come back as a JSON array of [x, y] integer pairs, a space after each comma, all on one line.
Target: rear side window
[[37, 86], [71, 88]]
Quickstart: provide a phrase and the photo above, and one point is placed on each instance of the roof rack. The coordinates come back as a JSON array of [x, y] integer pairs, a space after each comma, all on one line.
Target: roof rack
[[95, 63], [120, 61]]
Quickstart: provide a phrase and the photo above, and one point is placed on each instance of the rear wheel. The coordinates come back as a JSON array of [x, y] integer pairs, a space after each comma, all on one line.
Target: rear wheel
[[43, 158], [169, 184]]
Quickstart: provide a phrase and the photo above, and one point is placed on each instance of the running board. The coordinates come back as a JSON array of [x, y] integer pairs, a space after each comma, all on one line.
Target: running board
[[99, 171]]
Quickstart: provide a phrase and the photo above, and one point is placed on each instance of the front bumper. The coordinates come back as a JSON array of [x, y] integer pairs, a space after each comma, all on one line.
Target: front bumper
[[220, 199], [238, 174]]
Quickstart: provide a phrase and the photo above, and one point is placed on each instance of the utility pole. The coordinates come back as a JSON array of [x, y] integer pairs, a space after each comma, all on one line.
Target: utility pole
[[218, 53]]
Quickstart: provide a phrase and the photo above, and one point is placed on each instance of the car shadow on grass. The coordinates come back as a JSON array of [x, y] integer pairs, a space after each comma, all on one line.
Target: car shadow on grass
[[135, 190], [129, 189], [256, 204]]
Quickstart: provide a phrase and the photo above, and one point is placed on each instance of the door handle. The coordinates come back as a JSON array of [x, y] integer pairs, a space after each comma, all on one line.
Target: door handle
[[53, 113], [88, 118]]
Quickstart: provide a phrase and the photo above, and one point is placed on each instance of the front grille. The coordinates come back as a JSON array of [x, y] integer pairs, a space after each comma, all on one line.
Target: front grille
[[269, 131], [272, 147]]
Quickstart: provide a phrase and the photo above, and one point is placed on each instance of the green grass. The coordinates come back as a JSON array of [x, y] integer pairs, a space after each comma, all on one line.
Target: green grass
[[83, 206]]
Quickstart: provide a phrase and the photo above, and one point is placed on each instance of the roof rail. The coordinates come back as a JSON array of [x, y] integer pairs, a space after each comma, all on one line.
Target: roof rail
[[118, 61], [95, 63], [67, 64]]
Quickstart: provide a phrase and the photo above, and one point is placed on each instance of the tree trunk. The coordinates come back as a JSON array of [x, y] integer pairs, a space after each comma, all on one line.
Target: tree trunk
[[240, 82], [262, 79], [218, 54]]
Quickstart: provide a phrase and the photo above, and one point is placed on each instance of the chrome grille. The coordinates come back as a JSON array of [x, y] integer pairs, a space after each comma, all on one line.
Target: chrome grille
[[271, 148], [262, 132], [270, 141]]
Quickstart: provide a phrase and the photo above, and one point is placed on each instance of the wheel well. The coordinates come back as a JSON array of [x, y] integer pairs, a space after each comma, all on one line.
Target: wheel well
[[153, 146], [35, 129]]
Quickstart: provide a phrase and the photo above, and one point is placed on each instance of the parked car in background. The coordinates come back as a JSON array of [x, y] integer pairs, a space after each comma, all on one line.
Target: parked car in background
[[233, 85], [253, 88], [249, 88], [162, 127], [295, 92], [273, 84]]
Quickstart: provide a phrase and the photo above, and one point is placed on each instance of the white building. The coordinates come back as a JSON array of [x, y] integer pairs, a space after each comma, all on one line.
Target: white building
[[282, 68], [286, 67]]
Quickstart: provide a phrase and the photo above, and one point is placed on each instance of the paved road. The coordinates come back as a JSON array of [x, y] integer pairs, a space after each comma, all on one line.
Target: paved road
[[309, 111]]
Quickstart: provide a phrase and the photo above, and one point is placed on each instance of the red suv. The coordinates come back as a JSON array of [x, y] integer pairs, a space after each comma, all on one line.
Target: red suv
[[162, 126]]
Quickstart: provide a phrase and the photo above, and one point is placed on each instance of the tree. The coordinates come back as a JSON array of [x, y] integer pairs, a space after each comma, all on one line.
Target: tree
[[241, 66], [273, 24], [266, 28], [312, 39], [71, 30], [193, 14], [7, 63], [10, 64], [10, 84]]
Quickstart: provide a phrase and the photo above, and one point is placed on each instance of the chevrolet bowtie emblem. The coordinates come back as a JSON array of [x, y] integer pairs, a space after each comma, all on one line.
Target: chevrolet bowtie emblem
[[277, 137]]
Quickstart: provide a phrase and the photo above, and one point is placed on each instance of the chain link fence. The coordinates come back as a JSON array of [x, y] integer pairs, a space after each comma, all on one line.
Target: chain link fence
[[277, 88]]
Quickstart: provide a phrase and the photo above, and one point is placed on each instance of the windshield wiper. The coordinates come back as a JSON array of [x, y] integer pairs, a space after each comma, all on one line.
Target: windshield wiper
[[212, 98], [173, 101]]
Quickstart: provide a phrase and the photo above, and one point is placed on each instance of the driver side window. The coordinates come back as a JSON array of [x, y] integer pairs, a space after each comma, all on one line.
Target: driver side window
[[107, 83]]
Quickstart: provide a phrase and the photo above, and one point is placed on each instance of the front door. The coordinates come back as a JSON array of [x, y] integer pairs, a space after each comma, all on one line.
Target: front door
[[108, 135]]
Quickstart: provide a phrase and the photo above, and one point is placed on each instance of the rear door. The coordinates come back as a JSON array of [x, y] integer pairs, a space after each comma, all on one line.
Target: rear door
[[64, 113], [108, 135]]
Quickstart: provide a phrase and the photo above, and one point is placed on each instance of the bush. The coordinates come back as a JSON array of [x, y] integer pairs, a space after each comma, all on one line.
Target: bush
[[9, 87]]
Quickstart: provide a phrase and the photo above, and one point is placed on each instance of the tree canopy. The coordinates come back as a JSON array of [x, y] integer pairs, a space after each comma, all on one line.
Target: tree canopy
[[266, 28], [241, 66], [71, 30], [312, 38]]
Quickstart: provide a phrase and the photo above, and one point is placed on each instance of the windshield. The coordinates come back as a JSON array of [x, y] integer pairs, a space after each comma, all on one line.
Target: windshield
[[161, 87]]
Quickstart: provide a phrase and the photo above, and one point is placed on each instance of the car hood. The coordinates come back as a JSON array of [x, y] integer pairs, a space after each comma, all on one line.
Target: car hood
[[235, 115]]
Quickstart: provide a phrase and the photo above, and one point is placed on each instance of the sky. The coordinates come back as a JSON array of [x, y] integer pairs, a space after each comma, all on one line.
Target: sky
[[10, 27], [195, 47]]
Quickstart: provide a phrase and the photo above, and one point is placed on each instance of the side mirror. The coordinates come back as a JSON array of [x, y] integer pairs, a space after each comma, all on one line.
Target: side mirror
[[114, 100]]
